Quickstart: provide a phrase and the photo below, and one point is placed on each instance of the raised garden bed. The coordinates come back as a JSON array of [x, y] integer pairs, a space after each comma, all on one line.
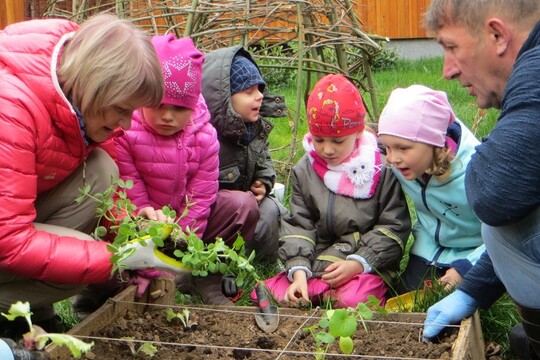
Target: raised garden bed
[[232, 333]]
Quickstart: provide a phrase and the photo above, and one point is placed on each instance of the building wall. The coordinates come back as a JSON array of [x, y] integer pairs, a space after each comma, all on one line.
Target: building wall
[[396, 19], [11, 11]]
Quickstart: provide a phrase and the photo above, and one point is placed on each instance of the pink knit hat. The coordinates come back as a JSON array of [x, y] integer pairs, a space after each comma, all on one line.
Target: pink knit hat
[[181, 64], [335, 107], [417, 113]]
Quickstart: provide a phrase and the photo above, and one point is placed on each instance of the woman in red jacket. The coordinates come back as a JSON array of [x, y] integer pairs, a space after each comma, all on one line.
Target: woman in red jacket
[[64, 90]]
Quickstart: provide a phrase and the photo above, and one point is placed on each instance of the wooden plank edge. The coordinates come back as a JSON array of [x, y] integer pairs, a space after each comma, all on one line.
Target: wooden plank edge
[[108, 312], [469, 344]]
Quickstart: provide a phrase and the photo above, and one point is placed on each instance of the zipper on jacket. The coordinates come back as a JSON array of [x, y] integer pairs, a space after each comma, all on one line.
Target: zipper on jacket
[[329, 215], [436, 235], [84, 173]]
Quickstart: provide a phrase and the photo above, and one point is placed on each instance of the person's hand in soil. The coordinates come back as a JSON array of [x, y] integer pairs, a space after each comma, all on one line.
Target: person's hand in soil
[[259, 190], [450, 279], [450, 310], [152, 214], [341, 272], [298, 290]]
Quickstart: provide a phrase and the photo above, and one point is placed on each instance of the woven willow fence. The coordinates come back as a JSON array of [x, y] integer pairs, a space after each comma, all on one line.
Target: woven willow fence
[[311, 38]]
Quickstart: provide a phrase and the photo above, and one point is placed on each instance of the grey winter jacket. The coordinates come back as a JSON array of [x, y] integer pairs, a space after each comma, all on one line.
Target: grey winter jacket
[[239, 165], [323, 227]]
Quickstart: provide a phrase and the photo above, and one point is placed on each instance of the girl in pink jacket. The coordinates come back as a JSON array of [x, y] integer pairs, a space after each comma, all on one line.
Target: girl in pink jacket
[[172, 155], [171, 152]]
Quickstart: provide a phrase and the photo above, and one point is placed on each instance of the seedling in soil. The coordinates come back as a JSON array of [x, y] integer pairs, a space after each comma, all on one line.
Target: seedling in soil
[[342, 324], [184, 316], [322, 340], [146, 348], [37, 338]]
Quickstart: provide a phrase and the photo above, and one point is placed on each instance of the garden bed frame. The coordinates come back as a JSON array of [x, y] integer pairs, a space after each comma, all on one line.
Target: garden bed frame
[[469, 344]]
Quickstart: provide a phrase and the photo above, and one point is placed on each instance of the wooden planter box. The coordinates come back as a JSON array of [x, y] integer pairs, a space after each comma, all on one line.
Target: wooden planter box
[[469, 343]]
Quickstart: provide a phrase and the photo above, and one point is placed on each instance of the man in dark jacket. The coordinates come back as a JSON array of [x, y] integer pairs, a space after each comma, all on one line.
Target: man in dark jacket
[[493, 48]]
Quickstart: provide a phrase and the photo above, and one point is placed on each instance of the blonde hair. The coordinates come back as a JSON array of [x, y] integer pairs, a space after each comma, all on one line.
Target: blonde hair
[[441, 165], [109, 62], [472, 13]]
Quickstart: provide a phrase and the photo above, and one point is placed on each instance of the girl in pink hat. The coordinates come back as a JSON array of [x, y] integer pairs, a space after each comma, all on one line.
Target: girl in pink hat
[[429, 149], [171, 153], [349, 222]]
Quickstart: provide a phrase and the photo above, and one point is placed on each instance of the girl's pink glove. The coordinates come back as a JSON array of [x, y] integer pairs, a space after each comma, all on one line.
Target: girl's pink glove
[[142, 279]]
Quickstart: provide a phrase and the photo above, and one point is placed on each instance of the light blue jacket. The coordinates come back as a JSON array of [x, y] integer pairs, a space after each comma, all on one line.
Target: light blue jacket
[[446, 229]]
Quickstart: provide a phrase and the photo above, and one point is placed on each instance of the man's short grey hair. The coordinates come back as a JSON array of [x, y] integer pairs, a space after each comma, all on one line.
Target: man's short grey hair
[[472, 13]]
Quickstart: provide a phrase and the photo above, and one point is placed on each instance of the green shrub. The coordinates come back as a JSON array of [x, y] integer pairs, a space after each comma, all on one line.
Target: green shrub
[[385, 59], [277, 74]]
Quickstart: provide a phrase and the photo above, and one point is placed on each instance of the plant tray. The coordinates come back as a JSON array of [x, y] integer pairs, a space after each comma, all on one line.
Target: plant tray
[[289, 341]]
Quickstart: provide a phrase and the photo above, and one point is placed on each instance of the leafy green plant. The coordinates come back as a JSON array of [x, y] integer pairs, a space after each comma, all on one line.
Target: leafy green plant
[[37, 338], [341, 324], [146, 348], [114, 207], [384, 59], [217, 257], [184, 316], [321, 338], [277, 71]]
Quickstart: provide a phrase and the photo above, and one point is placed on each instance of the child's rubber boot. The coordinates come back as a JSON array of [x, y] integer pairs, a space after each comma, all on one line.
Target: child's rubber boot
[[209, 288], [185, 283]]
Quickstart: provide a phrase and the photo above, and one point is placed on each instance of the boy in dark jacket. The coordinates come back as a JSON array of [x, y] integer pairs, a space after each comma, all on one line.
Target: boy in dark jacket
[[233, 89]]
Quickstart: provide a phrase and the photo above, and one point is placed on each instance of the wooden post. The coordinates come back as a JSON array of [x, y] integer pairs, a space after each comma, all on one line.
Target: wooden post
[[162, 290], [11, 11]]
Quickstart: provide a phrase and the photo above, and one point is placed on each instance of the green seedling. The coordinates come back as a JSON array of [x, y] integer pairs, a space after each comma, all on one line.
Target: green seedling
[[342, 324], [146, 348], [322, 340], [37, 338], [184, 316]]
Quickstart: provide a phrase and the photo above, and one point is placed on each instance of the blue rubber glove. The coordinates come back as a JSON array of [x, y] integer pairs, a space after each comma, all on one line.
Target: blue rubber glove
[[450, 310]]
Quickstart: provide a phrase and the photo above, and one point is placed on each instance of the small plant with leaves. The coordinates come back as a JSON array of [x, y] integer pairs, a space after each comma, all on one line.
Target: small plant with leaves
[[342, 324], [114, 207], [190, 323], [146, 348], [321, 339], [217, 257], [37, 338]]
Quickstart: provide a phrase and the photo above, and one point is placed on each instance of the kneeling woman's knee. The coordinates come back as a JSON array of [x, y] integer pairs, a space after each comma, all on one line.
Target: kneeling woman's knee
[[100, 170]]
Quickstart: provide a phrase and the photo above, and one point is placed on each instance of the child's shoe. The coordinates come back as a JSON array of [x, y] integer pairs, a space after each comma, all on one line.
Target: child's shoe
[[209, 288]]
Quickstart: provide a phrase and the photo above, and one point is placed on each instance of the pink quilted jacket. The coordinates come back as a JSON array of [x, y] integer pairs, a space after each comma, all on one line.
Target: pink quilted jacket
[[40, 145], [167, 169]]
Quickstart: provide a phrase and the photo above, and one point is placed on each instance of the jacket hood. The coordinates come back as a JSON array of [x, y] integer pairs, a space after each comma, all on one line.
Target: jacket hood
[[216, 88]]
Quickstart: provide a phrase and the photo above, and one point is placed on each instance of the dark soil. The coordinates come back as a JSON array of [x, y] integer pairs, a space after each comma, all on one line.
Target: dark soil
[[233, 334]]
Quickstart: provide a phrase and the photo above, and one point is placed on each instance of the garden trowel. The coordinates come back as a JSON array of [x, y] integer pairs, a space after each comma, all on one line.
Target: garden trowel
[[267, 317]]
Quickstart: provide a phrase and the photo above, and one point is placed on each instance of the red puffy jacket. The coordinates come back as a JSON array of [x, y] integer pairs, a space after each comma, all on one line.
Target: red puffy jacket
[[40, 145]]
